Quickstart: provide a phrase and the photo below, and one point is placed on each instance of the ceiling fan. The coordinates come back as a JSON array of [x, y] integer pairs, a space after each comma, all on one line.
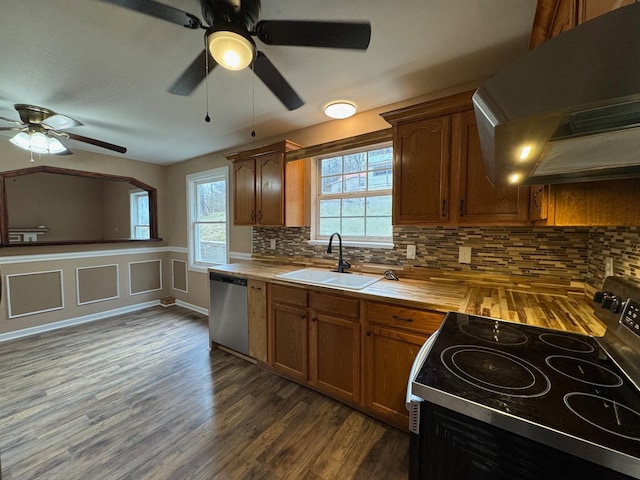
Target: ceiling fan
[[41, 131], [230, 24]]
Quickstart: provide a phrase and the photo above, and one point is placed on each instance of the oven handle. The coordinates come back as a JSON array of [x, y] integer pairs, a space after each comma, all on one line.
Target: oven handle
[[415, 368]]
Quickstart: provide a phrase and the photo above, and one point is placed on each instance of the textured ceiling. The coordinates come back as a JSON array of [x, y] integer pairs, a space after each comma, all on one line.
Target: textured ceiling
[[110, 67]]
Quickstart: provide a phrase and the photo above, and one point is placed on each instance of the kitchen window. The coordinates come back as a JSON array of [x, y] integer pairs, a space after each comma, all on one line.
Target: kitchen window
[[353, 196], [139, 201], [207, 204]]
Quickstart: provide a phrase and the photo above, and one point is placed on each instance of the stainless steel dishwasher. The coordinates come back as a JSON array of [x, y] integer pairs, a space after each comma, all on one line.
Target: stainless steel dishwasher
[[228, 324]]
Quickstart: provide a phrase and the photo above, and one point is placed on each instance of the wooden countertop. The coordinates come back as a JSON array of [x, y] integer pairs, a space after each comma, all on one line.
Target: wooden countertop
[[557, 308]]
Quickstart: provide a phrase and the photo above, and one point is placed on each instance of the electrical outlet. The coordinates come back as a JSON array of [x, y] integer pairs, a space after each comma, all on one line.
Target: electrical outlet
[[411, 252], [608, 266], [464, 255], [273, 244]]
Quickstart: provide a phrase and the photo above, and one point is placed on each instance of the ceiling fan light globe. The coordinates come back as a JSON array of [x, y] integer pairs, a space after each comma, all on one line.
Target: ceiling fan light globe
[[21, 140], [55, 146], [232, 50], [39, 143]]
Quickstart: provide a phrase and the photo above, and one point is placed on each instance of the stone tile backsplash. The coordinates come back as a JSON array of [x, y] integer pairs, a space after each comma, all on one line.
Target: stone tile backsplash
[[567, 253]]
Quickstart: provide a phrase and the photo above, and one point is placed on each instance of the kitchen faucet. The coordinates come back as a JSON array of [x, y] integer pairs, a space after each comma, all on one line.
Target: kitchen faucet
[[342, 264]]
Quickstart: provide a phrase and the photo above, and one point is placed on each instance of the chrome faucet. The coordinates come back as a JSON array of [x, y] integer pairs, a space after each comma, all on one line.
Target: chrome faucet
[[342, 264]]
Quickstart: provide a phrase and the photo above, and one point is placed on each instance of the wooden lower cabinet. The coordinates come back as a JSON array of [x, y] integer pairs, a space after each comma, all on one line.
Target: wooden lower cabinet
[[393, 336], [334, 345], [354, 350], [315, 338], [257, 319], [389, 354]]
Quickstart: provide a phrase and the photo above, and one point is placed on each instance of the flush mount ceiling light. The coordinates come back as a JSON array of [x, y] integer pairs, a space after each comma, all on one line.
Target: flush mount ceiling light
[[232, 48], [339, 109]]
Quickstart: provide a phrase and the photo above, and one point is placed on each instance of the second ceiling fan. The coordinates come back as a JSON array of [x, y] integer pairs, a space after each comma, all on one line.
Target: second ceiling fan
[[229, 28]]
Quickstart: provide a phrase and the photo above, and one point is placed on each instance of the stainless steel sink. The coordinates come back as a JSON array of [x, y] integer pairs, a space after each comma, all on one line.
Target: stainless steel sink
[[317, 276]]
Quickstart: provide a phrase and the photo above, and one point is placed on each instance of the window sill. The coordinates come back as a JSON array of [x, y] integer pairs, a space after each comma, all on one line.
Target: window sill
[[347, 243]]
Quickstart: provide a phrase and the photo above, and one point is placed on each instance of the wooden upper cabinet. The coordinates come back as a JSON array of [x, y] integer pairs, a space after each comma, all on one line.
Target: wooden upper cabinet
[[270, 171], [553, 17], [438, 171], [477, 200], [421, 171], [244, 181], [267, 189]]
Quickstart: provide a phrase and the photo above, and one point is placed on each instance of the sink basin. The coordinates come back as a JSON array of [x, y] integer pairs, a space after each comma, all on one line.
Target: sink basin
[[311, 275], [316, 276]]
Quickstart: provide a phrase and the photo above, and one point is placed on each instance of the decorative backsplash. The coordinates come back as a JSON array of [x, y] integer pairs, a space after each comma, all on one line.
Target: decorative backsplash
[[566, 253]]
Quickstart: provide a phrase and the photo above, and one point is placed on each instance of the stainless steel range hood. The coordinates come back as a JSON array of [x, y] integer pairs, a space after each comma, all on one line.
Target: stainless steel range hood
[[574, 101]]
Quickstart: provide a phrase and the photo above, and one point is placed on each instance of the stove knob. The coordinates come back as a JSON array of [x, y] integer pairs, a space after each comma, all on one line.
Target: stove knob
[[598, 297], [608, 301], [616, 305]]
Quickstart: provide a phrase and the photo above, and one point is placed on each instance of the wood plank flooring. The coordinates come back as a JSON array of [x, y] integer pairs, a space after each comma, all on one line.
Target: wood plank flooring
[[139, 397]]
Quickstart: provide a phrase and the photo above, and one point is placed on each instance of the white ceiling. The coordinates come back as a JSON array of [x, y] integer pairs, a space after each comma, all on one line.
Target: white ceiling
[[110, 67]]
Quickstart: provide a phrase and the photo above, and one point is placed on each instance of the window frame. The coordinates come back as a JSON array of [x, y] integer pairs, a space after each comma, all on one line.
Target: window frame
[[133, 217], [193, 180], [316, 195]]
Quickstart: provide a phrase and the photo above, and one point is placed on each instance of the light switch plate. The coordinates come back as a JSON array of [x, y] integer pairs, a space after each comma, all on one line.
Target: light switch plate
[[464, 255], [411, 252], [608, 266], [273, 244]]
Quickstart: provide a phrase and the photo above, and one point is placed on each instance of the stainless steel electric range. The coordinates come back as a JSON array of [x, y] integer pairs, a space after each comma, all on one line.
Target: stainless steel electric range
[[495, 399]]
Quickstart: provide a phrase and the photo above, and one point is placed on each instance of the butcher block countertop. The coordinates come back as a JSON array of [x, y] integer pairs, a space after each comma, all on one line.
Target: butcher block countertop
[[559, 306]]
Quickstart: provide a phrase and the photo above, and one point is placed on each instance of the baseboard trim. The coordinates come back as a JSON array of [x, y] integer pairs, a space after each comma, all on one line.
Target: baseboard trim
[[193, 307], [25, 332]]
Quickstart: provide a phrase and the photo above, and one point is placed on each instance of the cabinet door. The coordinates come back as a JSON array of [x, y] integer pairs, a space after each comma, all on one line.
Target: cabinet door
[[478, 201], [334, 355], [270, 189], [257, 317], [421, 172], [594, 8], [288, 348], [244, 199], [389, 355]]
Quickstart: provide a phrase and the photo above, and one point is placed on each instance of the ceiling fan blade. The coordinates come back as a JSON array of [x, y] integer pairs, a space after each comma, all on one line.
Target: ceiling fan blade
[[60, 122], [15, 129], [271, 77], [193, 75], [352, 35], [12, 121], [97, 143], [161, 11]]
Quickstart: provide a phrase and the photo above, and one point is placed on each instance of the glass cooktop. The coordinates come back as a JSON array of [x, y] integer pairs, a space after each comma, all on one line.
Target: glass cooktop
[[554, 386]]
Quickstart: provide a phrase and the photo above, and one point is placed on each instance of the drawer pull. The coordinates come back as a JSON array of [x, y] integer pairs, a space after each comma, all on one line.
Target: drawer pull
[[256, 288], [403, 319]]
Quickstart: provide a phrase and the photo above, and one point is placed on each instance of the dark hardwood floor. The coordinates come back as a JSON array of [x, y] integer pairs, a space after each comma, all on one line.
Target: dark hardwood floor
[[139, 397]]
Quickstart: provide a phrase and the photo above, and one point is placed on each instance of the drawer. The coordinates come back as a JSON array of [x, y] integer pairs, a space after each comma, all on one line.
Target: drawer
[[333, 304], [288, 295], [422, 321]]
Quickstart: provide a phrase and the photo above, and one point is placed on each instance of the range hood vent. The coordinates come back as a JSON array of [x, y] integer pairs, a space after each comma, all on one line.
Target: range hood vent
[[569, 110]]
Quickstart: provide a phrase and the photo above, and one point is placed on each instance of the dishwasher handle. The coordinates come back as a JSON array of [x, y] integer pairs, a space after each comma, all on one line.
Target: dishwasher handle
[[217, 277]]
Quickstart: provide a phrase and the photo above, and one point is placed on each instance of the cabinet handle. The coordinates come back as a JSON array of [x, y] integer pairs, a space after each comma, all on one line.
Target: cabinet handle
[[403, 319], [259, 215], [535, 199], [368, 334], [444, 208], [256, 288], [462, 208], [253, 216]]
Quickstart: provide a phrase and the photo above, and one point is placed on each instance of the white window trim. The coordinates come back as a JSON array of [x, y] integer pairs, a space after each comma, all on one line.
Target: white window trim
[[192, 180], [374, 243], [133, 215]]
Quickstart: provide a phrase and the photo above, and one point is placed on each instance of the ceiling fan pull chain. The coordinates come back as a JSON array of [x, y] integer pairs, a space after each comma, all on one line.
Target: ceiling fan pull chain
[[253, 100], [207, 118]]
